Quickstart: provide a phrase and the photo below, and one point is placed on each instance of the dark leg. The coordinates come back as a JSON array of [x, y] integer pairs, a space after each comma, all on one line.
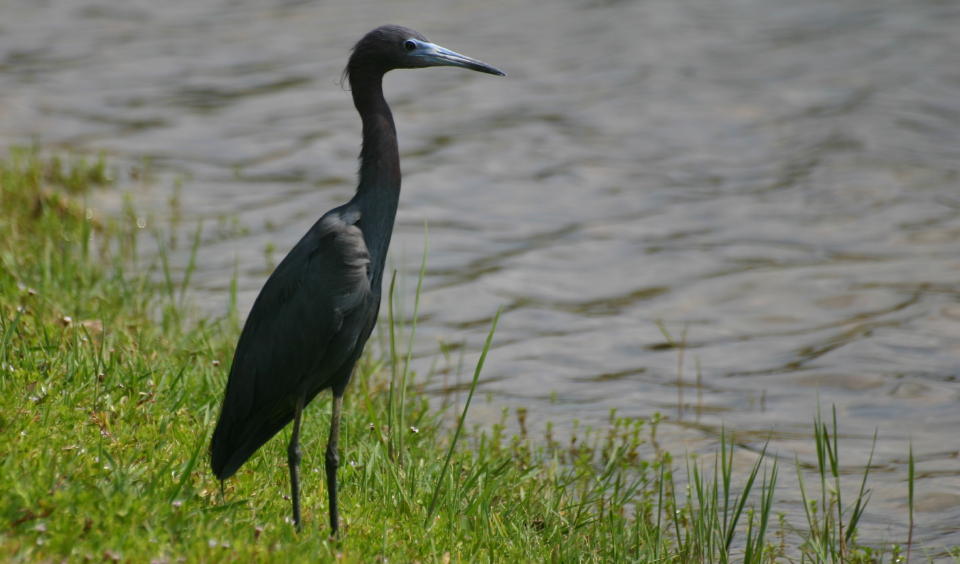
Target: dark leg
[[333, 461], [293, 459]]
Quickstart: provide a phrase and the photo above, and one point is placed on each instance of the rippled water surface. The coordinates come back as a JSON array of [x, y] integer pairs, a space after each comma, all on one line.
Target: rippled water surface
[[777, 180]]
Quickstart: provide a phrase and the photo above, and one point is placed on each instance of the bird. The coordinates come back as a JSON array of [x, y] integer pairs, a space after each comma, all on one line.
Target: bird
[[309, 324]]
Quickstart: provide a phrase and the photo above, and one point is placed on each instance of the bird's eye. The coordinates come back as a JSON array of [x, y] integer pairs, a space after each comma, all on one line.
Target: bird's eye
[[409, 45]]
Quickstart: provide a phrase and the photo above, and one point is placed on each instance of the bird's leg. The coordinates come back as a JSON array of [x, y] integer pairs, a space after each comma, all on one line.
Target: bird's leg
[[293, 459], [333, 461]]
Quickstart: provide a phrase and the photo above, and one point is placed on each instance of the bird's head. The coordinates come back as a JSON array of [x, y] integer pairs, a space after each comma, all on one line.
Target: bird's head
[[394, 47]]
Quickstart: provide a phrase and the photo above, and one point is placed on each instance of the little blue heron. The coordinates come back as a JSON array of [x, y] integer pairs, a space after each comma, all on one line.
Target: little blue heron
[[313, 316]]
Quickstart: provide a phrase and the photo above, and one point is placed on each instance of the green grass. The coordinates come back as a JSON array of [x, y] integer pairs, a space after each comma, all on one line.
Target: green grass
[[109, 386]]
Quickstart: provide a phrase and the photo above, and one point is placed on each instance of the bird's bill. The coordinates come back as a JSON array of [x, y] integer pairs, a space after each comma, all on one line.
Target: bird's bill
[[436, 56]]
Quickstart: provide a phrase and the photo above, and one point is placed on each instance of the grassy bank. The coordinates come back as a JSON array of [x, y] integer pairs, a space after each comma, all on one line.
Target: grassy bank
[[107, 400]]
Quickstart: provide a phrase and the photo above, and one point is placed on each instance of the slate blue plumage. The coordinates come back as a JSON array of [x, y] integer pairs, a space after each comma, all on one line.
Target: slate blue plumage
[[308, 326]]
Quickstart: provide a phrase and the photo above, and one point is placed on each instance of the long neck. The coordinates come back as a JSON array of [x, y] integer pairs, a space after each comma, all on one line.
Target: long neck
[[379, 189]]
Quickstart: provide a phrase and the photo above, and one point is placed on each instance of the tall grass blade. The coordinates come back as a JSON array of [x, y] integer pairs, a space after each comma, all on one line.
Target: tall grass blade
[[463, 416], [391, 394], [404, 379], [863, 496], [191, 262], [911, 480], [744, 494]]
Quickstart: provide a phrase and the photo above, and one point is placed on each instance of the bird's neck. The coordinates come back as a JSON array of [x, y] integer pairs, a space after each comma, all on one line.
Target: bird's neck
[[378, 191]]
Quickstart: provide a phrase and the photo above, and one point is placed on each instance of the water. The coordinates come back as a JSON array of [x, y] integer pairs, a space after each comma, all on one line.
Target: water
[[778, 181]]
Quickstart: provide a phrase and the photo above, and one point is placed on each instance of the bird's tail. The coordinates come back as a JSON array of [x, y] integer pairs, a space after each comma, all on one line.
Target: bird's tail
[[235, 439]]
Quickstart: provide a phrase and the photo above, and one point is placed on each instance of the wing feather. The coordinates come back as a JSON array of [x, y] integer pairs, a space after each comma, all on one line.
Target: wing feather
[[304, 326]]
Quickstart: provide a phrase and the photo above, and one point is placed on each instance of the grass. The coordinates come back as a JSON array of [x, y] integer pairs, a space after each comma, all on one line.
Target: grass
[[109, 386]]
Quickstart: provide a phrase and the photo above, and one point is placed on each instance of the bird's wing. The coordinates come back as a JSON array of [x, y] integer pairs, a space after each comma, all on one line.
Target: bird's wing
[[302, 328]]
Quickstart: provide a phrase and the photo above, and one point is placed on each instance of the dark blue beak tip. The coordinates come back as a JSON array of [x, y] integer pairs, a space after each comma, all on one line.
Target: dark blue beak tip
[[490, 69]]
